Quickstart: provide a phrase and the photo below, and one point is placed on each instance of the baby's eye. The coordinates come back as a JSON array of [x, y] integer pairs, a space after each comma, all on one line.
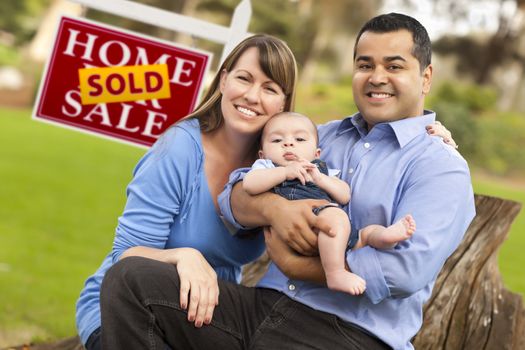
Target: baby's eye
[[300, 139], [276, 140]]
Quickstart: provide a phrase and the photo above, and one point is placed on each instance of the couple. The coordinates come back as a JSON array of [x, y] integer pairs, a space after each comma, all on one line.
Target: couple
[[186, 294]]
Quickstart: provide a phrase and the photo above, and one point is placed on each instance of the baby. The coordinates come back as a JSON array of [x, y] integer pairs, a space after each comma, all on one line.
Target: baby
[[290, 166]]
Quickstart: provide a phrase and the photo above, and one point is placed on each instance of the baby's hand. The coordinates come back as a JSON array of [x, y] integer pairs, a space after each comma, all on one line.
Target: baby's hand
[[314, 173], [298, 170]]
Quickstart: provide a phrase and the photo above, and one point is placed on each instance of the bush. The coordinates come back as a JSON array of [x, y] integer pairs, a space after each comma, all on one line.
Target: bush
[[501, 143]]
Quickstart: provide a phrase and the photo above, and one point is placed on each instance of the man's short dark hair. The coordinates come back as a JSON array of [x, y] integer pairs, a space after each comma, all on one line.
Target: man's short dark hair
[[393, 22]]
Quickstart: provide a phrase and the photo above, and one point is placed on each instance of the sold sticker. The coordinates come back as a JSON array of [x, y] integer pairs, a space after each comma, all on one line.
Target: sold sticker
[[124, 83]]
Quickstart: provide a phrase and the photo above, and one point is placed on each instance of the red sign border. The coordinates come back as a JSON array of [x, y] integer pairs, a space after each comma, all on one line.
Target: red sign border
[[41, 117]]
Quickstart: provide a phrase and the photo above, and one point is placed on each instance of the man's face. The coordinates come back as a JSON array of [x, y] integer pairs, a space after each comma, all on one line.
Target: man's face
[[388, 84]]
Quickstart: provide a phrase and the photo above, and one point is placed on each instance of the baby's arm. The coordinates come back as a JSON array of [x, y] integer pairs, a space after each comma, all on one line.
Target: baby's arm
[[262, 180], [335, 187]]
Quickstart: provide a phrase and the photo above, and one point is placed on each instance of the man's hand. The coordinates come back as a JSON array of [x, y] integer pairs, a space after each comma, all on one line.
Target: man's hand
[[294, 222], [294, 266]]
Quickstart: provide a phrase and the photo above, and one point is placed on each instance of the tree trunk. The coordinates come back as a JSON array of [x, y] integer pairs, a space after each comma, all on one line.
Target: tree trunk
[[469, 307]]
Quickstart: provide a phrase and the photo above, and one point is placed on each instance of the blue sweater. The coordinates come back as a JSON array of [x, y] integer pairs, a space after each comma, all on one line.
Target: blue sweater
[[169, 206]]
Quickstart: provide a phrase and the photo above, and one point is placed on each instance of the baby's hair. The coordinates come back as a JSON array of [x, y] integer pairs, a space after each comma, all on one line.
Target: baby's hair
[[293, 114]]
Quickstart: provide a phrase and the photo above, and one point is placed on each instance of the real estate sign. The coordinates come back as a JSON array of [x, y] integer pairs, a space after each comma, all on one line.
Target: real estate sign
[[118, 84]]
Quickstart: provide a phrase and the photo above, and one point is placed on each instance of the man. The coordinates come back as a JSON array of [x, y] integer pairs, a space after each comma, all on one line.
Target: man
[[394, 168]]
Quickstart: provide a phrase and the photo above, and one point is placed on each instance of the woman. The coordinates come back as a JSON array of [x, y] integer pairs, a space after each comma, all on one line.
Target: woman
[[171, 214], [171, 211]]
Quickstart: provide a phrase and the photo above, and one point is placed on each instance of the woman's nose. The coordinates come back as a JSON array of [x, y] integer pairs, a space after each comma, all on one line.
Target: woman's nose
[[252, 94]]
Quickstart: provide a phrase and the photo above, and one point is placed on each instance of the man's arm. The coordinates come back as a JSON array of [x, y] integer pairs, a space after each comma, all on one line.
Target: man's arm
[[292, 220], [442, 202]]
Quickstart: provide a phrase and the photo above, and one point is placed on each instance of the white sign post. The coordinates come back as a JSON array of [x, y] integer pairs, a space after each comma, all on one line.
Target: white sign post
[[228, 36]]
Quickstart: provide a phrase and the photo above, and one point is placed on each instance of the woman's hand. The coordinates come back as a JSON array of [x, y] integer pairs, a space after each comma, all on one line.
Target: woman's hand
[[438, 129], [199, 290]]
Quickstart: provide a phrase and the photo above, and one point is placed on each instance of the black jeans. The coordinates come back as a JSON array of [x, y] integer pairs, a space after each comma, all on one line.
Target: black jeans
[[140, 310]]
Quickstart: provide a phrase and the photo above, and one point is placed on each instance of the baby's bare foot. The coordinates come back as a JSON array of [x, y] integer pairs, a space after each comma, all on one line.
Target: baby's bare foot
[[344, 281], [403, 229]]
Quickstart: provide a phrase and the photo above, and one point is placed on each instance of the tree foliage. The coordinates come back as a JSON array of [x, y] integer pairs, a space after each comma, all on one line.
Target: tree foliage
[[21, 18]]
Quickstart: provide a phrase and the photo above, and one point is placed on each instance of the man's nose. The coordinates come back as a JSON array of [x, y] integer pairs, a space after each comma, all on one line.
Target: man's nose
[[378, 76]]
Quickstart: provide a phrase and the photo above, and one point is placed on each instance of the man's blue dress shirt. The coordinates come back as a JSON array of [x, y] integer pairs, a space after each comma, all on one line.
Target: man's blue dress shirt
[[393, 170]]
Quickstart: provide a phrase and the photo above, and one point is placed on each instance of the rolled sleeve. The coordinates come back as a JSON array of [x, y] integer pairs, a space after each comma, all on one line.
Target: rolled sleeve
[[224, 201], [364, 262]]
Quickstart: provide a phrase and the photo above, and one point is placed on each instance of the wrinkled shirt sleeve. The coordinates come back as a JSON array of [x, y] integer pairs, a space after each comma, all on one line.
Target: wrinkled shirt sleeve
[[224, 200], [160, 182], [440, 221]]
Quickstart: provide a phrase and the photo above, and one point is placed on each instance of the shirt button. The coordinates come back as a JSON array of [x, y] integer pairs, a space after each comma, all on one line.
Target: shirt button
[[291, 287], [367, 145], [351, 170]]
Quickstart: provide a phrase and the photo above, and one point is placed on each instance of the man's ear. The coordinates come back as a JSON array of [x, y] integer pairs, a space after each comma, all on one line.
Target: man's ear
[[427, 79]]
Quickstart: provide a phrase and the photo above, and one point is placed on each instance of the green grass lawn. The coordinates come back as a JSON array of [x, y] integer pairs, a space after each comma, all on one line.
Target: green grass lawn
[[511, 257], [61, 193]]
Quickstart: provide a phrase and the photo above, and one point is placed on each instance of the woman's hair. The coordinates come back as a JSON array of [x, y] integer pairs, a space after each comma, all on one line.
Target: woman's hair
[[277, 62]]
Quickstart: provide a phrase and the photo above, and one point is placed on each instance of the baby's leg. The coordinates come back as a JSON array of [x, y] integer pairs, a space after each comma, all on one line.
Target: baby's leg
[[381, 237], [332, 252]]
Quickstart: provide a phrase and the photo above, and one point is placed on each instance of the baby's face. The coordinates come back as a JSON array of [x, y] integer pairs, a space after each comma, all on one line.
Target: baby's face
[[289, 138]]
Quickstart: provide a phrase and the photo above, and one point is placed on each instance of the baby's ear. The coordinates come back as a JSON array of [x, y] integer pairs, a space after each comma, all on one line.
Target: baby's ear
[[317, 153], [261, 154]]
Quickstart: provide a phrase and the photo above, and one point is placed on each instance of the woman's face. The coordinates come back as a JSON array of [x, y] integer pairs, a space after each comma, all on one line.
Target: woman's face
[[249, 97]]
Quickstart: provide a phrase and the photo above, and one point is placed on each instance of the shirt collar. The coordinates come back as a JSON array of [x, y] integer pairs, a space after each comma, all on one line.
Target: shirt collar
[[405, 129], [354, 121]]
